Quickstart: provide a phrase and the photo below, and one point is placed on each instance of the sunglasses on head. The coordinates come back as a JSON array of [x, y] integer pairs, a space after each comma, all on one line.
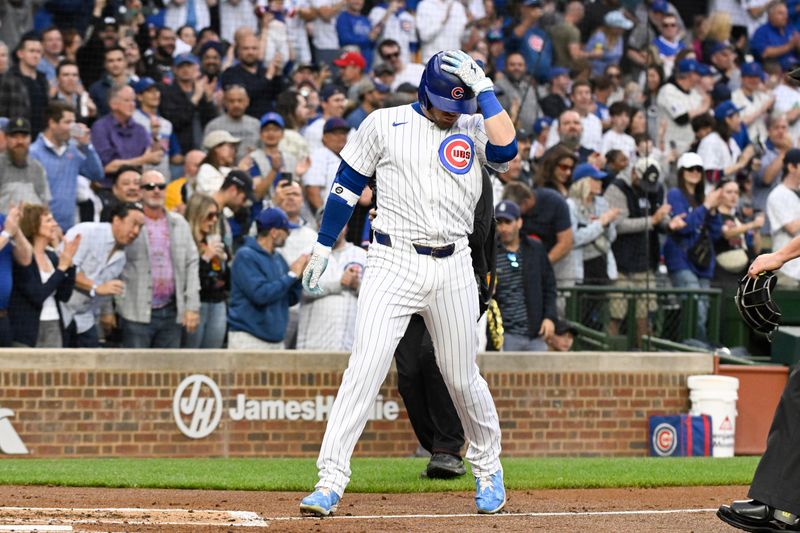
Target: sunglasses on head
[[154, 186], [512, 258], [212, 215]]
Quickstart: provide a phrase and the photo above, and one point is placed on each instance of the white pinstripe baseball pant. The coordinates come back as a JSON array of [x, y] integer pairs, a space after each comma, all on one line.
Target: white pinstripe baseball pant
[[399, 282]]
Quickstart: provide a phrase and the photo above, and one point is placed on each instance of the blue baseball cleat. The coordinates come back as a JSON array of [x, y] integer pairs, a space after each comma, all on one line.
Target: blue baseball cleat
[[490, 496], [321, 502]]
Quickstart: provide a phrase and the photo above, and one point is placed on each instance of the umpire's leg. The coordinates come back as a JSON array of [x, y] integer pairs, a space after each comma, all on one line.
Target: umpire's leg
[[776, 481], [430, 408]]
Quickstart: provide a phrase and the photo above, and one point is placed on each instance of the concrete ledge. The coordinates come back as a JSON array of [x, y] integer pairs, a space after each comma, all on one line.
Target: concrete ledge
[[309, 361]]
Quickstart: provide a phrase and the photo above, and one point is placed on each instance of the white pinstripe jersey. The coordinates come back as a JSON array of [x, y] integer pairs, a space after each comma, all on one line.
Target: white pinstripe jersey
[[428, 179]]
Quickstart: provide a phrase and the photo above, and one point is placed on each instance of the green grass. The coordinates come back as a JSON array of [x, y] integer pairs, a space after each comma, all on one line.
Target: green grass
[[372, 475]]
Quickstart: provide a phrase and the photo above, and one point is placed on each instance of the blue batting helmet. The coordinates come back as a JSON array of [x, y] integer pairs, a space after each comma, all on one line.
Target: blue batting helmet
[[444, 91]]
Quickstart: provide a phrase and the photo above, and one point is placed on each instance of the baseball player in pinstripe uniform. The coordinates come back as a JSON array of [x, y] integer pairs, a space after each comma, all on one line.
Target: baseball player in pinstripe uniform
[[427, 160]]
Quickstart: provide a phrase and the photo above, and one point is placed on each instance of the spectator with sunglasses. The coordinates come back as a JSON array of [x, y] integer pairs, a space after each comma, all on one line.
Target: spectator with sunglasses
[[526, 285], [203, 215], [161, 276], [404, 72]]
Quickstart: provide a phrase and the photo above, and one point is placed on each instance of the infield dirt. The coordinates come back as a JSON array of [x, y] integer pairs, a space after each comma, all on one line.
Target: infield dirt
[[151, 510]]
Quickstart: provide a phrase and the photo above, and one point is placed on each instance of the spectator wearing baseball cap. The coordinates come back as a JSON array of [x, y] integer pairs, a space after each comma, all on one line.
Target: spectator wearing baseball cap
[[593, 229], [23, 177], [220, 148], [333, 101], [679, 104], [371, 95], [263, 286], [754, 101], [606, 44], [699, 211], [563, 337], [526, 285], [719, 150], [558, 100], [269, 161], [188, 101], [324, 162], [352, 67], [148, 94], [530, 39]]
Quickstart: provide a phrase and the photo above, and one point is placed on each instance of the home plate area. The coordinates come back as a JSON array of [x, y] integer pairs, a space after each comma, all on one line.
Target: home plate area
[[671, 509]]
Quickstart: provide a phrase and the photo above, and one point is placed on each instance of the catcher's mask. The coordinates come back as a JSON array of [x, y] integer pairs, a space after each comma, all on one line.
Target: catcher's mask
[[755, 303]]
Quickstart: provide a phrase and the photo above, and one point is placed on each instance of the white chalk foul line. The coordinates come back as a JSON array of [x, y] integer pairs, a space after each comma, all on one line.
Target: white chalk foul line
[[14, 527], [136, 515], [498, 515]]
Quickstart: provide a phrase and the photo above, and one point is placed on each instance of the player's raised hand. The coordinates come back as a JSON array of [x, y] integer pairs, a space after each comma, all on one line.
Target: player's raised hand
[[463, 66], [316, 266]]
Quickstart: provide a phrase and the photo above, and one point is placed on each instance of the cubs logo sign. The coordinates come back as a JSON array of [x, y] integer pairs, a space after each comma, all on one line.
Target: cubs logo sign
[[665, 439], [457, 93], [456, 153]]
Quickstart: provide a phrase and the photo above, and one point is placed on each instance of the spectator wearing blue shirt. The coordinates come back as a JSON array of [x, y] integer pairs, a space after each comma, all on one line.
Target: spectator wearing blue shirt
[[116, 74], [699, 210], [263, 286], [532, 41], [64, 159], [776, 40], [608, 40], [14, 247], [354, 29]]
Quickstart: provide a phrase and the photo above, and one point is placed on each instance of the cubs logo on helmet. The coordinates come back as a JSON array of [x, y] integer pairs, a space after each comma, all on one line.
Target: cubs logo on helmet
[[456, 153], [457, 93]]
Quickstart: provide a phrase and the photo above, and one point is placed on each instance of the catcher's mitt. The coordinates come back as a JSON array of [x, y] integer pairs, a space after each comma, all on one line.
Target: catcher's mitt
[[755, 303]]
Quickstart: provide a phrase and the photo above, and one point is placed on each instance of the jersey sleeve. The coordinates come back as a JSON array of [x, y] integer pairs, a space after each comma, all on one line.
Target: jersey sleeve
[[481, 140], [364, 148]]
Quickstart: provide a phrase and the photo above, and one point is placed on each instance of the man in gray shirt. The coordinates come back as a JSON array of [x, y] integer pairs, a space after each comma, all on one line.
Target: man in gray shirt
[[22, 178], [236, 122]]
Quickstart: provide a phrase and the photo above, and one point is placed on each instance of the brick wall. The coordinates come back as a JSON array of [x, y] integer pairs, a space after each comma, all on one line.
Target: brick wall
[[116, 412]]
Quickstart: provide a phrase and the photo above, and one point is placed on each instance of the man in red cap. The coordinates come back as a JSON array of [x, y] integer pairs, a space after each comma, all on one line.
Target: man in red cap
[[351, 71]]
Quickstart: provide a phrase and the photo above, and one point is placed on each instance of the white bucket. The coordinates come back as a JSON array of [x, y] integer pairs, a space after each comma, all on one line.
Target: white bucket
[[716, 396]]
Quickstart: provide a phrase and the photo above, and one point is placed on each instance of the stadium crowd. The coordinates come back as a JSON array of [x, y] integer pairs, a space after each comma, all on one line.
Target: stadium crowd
[[164, 164]]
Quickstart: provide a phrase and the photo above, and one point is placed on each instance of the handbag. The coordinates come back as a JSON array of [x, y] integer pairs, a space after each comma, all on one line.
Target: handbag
[[700, 252]]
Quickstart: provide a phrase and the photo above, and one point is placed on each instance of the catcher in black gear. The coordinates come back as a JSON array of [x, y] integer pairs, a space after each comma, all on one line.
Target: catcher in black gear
[[775, 491]]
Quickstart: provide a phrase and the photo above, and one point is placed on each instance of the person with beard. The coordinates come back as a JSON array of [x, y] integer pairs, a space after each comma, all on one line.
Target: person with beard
[[591, 126], [638, 194], [570, 130], [158, 60], [236, 122], [517, 92], [263, 84], [211, 54], [22, 178], [103, 33], [263, 286], [116, 73], [188, 102]]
